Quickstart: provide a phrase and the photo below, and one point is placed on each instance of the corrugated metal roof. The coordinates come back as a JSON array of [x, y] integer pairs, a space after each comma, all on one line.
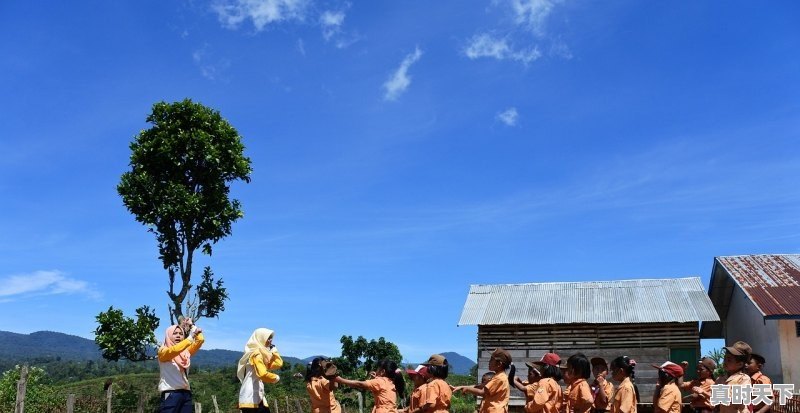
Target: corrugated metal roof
[[771, 281], [602, 302]]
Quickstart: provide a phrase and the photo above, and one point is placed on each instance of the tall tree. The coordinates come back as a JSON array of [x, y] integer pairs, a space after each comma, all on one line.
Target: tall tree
[[178, 186]]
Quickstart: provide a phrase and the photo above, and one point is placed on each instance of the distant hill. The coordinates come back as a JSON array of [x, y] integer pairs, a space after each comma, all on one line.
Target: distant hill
[[17, 347], [458, 363]]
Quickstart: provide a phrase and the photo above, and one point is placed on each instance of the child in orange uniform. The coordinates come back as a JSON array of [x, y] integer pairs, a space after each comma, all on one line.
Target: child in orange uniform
[[735, 363], [548, 397], [602, 389], [667, 397], [627, 395], [496, 393], [580, 397], [320, 387], [387, 385], [754, 367], [419, 377], [437, 391], [700, 387], [529, 387]]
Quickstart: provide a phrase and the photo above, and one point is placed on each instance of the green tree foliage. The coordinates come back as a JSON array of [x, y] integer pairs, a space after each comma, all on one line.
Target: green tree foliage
[[178, 186], [717, 355], [121, 337], [360, 356], [39, 395]]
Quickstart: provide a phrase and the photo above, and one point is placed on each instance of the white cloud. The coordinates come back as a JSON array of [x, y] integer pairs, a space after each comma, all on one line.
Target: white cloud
[[43, 283], [532, 13], [331, 23], [400, 80], [210, 68], [486, 45], [232, 13], [508, 116]]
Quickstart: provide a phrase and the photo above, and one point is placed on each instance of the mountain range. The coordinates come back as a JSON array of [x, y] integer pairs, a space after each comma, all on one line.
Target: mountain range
[[53, 345]]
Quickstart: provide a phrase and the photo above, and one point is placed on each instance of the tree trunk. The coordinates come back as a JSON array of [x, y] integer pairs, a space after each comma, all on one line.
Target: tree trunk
[[19, 406]]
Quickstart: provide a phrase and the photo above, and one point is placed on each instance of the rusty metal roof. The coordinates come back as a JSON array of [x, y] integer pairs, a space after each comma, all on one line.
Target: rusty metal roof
[[601, 302], [772, 282]]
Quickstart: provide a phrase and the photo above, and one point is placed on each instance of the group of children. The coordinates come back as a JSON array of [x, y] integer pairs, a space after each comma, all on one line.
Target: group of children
[[432, 394]]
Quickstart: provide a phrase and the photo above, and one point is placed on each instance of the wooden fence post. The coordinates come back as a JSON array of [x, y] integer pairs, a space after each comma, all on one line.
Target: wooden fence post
[[70, 403], [299, 407], [198, 408], [360, 402], [22, 384], [216, 407], [109, 395], [140, 405], [275, 404], [288, 409]]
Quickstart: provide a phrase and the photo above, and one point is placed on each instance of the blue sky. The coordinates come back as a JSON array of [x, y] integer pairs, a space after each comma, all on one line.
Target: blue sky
[[401, 152]]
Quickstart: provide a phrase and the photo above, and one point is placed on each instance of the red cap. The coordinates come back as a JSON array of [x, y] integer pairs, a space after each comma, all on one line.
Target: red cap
[[550, 359], [670, 368], [421, 370]]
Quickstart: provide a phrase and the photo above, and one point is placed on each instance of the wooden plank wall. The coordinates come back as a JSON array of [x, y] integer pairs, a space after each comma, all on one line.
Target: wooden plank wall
[[645, 343]]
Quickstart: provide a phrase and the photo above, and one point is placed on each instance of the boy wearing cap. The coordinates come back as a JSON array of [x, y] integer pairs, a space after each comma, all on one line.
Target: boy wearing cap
[[529, 387], [735, 362], [667, 397], [496, 392], [602, 389], [419, 376], [700, 387], [754, 367], [548, 397], [437, 394]]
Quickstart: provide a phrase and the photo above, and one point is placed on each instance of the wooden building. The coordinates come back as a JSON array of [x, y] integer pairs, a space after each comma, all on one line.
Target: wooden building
[[758, 299], [651, 321]]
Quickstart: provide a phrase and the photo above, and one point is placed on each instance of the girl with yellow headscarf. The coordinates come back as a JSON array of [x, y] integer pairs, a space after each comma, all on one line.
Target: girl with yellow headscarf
[[260, 356]]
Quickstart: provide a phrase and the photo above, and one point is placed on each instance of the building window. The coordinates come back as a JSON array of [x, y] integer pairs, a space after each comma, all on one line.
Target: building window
[[797, 328]]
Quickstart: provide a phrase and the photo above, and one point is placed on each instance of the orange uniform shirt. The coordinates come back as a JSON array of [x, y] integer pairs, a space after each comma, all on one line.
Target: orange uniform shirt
[[608, 389], [760, 378], [384, 393], [417, 397], [546, 399], [322, 399], [669, 400], [496, 394], [438, 395], [739, 378], [624, 398], [580, 399], [700, 400]]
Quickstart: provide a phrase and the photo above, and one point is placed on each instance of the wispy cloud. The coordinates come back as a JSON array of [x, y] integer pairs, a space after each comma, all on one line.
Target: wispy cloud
[[211, 68], [522, 40], [532, 14], [508, 116], [331, 23], [43, 283], [399, 81], [486, 45], [232, 13]]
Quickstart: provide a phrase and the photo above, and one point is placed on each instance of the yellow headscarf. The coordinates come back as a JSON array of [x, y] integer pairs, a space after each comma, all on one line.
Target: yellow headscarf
[[254, 344]]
